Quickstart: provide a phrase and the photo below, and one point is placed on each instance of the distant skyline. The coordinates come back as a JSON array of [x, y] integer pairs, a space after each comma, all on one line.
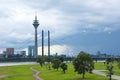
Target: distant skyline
[[75, 25]]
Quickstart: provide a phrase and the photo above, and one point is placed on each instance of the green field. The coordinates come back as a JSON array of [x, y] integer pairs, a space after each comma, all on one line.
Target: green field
[[70, 74], [101, 66], [23, 72]]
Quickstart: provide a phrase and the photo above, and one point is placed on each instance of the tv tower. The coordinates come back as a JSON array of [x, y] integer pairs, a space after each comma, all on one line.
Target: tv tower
[[36, 24]]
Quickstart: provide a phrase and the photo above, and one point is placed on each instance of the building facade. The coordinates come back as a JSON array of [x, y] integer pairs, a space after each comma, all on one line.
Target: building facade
[[31, 50], [9, 51]]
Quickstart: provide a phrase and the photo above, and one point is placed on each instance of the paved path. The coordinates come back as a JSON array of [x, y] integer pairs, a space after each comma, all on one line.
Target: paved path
[[36, 74], [100, 72], [3, 76]]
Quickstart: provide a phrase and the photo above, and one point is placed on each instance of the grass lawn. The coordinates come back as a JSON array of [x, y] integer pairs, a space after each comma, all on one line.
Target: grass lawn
[[70, 74], [116, 70], [23, 72], [101, 66]]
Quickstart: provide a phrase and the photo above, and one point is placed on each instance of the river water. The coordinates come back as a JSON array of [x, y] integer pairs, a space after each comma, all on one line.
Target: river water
[[16, 63]]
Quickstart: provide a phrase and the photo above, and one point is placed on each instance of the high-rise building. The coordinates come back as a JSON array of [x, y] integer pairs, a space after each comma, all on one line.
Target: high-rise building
[[9, 51], [31, 50]]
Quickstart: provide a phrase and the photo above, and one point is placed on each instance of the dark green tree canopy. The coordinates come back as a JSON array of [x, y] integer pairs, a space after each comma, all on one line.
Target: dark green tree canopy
[[83, 63], [63, 66], [40, 60], [56, 63]]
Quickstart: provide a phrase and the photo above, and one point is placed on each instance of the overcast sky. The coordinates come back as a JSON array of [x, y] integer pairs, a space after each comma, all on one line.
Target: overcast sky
[[75, 25]]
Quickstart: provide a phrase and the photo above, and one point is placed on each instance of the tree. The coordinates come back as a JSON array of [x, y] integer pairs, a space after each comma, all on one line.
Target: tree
[[118, 63], [40, 60], [56, 63], [61, 59], [63, 66], [83, 63], [47, 61], [110, 69]]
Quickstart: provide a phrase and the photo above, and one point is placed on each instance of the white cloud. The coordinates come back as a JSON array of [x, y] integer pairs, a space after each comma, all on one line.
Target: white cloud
[[60, 49], [62, 18]]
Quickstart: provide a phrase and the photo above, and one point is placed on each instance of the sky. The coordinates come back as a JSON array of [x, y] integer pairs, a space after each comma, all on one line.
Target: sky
[[75, 25]]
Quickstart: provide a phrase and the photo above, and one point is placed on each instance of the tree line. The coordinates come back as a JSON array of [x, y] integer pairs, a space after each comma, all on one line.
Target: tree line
[[82, 63]]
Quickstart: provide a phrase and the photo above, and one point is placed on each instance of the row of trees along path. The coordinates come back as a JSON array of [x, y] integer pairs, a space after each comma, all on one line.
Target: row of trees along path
[[82, 63]]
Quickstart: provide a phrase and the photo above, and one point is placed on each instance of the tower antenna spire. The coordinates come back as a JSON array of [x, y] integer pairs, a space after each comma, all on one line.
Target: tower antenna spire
[[35, 15]]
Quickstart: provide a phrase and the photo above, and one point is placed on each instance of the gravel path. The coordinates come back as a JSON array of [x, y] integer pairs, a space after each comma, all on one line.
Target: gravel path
[[100, 72], [2, 76], [36, 74]]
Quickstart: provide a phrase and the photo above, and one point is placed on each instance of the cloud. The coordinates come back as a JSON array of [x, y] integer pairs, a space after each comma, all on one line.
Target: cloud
[[62, 18], [60, 49]]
